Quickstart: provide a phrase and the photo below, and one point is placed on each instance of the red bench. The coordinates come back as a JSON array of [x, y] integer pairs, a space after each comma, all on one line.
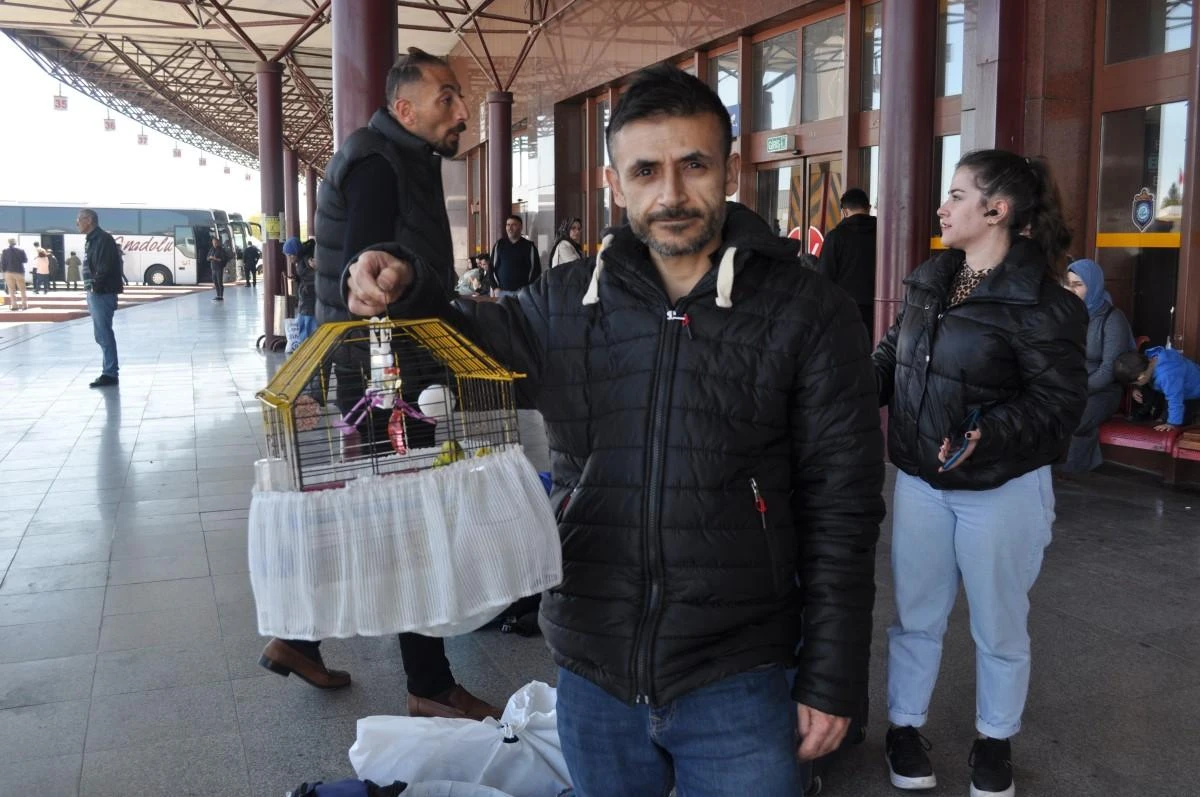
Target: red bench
[[1141, 435]]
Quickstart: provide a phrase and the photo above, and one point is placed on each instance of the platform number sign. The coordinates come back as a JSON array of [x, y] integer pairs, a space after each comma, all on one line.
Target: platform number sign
[[60, 102], [143, 139], [177, 153], [110, 124], [1143, 209], [203, 161]]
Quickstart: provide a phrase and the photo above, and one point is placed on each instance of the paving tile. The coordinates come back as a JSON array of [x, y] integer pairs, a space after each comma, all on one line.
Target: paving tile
[[66, 554], [58, 776], [158, 492], [218, 503], [194, 626], [144, 546], [146, 669], [157, 568], [54, 577], [141, 718], [280, 759], [44, 607], [28, 683], [232, 587], [158, 596], [228, 560], [59, 639], [43, 731], [235, 538], [204, 765]]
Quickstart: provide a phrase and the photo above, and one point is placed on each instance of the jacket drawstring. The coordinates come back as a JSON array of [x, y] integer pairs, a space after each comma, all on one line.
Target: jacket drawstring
[[593, 292], [725, 278]]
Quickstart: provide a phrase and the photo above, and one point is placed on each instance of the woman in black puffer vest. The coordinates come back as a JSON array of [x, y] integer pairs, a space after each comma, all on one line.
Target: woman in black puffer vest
[[984, 377]]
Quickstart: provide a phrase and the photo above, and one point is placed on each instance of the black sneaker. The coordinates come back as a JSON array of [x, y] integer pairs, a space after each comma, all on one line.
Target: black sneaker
[[991, 768], [908, 764], [104, 380]]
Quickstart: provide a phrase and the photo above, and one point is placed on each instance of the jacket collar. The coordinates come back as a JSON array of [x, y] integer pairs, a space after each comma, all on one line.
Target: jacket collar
[[1017, 280], [384, 123]]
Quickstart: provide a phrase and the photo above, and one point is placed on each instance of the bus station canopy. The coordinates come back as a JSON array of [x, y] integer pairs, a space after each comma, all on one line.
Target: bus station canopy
[[186, 68]]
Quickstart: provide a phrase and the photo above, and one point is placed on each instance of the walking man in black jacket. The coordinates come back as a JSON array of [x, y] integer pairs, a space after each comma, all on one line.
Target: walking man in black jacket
[[515, 260], [717, 464], [103, 266], [385, 184], [848, 254]]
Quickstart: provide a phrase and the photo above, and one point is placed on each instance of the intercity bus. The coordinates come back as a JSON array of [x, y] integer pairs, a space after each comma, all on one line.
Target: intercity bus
[[162, 246]]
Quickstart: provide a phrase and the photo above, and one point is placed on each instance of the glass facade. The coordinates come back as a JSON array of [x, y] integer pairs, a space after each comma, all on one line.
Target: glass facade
[[775, 62], [951, 27], [824, 70], [723, 77], [872, 57], [602, 117], [946, 152], [1139, 212], [1142, 28]]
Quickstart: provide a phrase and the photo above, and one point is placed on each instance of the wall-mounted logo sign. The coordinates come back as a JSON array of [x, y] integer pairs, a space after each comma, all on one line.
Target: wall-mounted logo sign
[[1143, 209]]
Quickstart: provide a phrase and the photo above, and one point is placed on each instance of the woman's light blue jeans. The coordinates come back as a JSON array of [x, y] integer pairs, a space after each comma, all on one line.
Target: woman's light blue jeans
[[993, 541]]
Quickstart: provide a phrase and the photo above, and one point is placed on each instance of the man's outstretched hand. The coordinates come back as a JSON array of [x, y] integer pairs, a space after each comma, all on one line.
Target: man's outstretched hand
[[376, 280]]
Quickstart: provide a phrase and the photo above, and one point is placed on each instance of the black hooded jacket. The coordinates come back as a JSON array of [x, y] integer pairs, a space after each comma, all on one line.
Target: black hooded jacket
[[1014, 349], [667, 425]]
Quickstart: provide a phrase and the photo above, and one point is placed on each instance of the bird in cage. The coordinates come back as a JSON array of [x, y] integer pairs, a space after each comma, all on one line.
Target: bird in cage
[[396, 495]]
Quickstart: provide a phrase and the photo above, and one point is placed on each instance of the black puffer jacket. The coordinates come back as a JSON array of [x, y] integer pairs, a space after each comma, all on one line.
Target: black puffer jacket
[[1014, 350], [661, 428]]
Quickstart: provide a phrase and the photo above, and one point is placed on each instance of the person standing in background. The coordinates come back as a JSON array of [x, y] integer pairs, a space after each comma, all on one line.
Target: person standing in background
[[567, 246], [73, 265], [216, 261], [848, 254], [515, 260], [12, 262], [103, 265], [250, 257]]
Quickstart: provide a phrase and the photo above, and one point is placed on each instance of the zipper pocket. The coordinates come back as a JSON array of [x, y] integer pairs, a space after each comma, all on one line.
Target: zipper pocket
[[760, 506], [563, 504]]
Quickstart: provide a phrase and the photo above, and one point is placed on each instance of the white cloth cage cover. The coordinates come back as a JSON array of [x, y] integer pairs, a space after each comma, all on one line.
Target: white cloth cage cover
[[439, 552]]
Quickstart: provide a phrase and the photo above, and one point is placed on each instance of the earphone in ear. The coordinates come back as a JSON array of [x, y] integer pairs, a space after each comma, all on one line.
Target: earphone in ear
[[992, 212]]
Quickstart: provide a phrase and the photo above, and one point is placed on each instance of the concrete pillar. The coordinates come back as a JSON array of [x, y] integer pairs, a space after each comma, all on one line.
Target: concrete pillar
[[364, 48], [310, 193], [499, 154], [906, 151], [269, 75], [291, 194]]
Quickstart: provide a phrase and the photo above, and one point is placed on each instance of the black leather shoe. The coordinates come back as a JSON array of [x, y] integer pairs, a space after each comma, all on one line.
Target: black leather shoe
[[104, 380], [281, 658]]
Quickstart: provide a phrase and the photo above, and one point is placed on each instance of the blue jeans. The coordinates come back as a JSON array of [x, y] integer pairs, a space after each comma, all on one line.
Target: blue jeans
[[735, 736], [102, 306], [306, 325], [993, 541]]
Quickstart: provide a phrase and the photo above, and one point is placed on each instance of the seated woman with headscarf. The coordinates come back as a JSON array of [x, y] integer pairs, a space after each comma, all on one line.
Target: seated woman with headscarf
[[1108, 337]]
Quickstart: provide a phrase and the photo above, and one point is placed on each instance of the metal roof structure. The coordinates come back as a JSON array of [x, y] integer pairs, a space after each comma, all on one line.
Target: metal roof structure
[[186, 68]]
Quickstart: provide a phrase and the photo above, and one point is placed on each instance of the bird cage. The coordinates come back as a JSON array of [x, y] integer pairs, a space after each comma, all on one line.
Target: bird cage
[[395, 495]]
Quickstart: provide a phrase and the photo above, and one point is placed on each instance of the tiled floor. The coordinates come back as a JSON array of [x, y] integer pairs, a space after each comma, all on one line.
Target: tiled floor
[[128, 646]]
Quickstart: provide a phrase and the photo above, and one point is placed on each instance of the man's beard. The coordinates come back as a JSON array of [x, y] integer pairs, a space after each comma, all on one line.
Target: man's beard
[[448, 147], [707, 232]]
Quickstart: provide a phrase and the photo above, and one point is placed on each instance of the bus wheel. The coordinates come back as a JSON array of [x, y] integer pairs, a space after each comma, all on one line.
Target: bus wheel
[[158, 275]]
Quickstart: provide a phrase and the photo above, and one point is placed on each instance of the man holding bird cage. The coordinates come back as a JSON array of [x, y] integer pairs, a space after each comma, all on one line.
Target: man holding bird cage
[[717, 466]]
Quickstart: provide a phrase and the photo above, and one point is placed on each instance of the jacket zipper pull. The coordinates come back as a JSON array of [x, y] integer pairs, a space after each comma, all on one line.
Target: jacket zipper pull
[[760, 503], [683, 318]]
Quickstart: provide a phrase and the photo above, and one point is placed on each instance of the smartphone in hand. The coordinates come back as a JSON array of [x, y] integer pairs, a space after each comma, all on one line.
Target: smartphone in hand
[[959, 441]]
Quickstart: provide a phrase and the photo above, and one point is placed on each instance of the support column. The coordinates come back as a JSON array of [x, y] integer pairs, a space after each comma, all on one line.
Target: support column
[[269, 76], [291, 194], [310, 194], [364, 48], [1187, 301], [499, 152], [906, 152]]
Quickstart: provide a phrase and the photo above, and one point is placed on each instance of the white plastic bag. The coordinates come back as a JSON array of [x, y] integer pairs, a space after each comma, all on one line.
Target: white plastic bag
[[416, 749]]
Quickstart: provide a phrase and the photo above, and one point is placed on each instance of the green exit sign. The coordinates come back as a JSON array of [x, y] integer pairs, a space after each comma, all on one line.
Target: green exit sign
[[780, 144]]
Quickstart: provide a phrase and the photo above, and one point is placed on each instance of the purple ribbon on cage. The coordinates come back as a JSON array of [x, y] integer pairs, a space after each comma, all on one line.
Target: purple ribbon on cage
[[373, 399]]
